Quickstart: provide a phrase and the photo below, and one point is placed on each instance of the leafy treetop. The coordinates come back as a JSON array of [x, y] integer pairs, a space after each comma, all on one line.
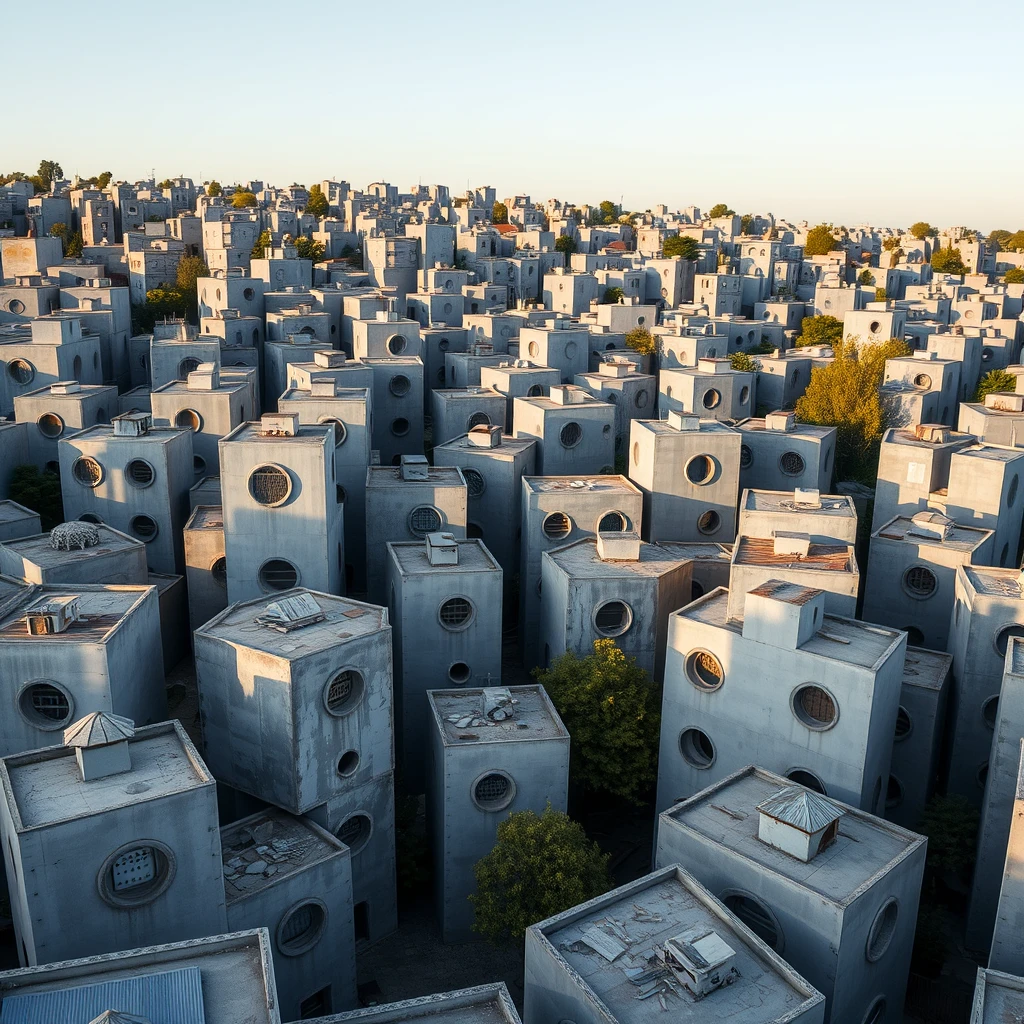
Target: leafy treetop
[[317, 204], [263, 243], [499, 213], [214, 189], [721, 210], [994, 381], [681, 245], [820, 241], [744, 361], [1015, 275], [948, 261], [922, 229], [612, 295], [641, 340], [565, 244], [243, 200], [166, 183], [309, 249], [820, 330]]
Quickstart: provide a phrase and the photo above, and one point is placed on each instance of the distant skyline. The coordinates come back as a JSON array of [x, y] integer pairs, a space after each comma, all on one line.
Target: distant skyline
[[875, 112]]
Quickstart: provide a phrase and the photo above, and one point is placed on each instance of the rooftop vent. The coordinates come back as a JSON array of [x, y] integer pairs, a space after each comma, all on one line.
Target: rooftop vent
[[934, 433], [328, 357], [1005, 401], [933, 525], [807, 497], [700, 960], [442, 549], [485, 436], [782, 421], [679, 420], [74, 536], [54, 615], [65, 387], [205, 377], [132, 424], [783, 615], [415, 467], [617, 366], [229, 314], [481, 348], [568, 394], [927, 354], [499, 704], [798, 822], [618, 546], [322, 387], [786, 543], [100, 742], [291, 613], [279, 424], [708, 365]]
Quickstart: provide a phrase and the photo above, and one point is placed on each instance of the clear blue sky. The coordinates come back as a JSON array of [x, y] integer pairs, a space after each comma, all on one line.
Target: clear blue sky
[[882, 111]]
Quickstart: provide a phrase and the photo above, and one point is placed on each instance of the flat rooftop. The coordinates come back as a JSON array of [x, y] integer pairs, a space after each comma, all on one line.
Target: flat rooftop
[[757, 423], [994, 453], [391, 476], [648, 912], [45, 787], [819, 557], [960, 538], [283, 844], [206, 517], [838, 505], [180, 387], [411, 557], [726, 813], [486, 1004], [102, 610], [12, 512], [580, 559], [461, 716], [898, 435], [697, 551], [357, 395], [105, 433], [703, 426], [307, 433], [38, 550], [995, 582], [344, 620], [608, 484], [509, 447], [926, 669], [998, 998]]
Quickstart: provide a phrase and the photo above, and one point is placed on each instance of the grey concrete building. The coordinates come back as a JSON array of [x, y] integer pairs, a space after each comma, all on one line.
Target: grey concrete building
[[463, 369], [912, 566], [386, 335], [1007, 950], [17, 521], [997, 997], [102, 465], [781, 379], [633, 394], [484, 1004], [139, 810], [174, 351], [279, 355], [556, 511], [712, 389], [519, 378], [699, 503], [76, 553], [61, 409], [444, 598], [674, 949], [330, 363], [13, 450], [612, 586], [397, 407], [776, 453], [493, 751], [454, 411], [406, 503], [827, 689], [561, 344], [925, 371], [998, 420], [832, 889], [283, 522], [575, 432], [709, 565], [823, 517], [206, 572], [437, 340]]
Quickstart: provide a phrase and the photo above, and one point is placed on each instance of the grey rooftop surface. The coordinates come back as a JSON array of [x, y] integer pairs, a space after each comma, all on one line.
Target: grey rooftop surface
[[899, 435], [341, 394], [580, 559], [508, 448], [998, 998], [104, 432], [926, 669], [12, 512], [1016, 646], [703, 426], [485, 1004], [206, 517], [588, 401], [838, 505], [411, 557], [38, 550], [307, 433], [11, 590], [44, 787], [839, 639], [697, 551], [993, 452], [960, 538], [535, 717], [757, 423], [607, 484], [180, 387], [650, 911], [102, 609], [380, 477], [995, 582], [262, 849], [726, 813], [236, 974], [344, 619]]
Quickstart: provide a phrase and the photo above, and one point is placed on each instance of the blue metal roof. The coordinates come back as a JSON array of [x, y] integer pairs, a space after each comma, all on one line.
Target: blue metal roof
[[170, 997]]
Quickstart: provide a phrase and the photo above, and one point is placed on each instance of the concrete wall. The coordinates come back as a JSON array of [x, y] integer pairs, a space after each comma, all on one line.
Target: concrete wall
[[1007, 950]]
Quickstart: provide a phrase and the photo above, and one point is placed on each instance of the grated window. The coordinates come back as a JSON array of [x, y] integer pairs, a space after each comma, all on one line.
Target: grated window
[[134, 868], [188, 365], [791, 463], [709, 521], [139, 473], [455, 612], [144, 527], [474, 483], [301, 928], [424, 519], [269, 485], [814, 707], [704, 670], [556, 525], [903, 724], [343, 691], [87, 471], [571, 434], [49, 702], [478, 419], [919, 581], [612, 522], [355, 832], [494, 792], [278, 574]]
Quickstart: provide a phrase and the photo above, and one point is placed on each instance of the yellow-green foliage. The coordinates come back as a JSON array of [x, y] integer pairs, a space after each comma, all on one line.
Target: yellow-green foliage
[[641, 340], [317, 204], [243, 200], [948, 261], [993, 381], [820, 330]]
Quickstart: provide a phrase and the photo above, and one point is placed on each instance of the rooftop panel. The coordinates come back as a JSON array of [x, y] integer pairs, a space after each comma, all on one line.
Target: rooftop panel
[[823, 557], [462, 716]]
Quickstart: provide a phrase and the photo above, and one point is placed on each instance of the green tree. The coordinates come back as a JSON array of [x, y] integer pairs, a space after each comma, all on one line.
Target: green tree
[[39, 492], [263, 244], [999, 237], [1015, 243], [889, 244], [49, 170], [746, 223], [641, 340], [103, 180], [610, 707], [309, 249], [680, 245], [214, 189], [820, 241], [566, 245], [74, 246], [744, 361], [190, 269], [61, 231], [317, 204], [540, 865], [948, 261], [721, 210], [166, 183], [845, 395], [609, 212], [1015, 275], [612, 295], [922, 229], [244, 200], [161, 303], [820, 330], [499, 213], [865, 277], [881, 295], [994, 381]]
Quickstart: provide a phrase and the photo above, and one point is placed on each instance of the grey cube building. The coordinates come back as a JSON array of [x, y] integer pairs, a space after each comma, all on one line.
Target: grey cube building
[[575, 432], [776, 452], [206, 571], [519, 378], [59, 410], [17, 521], [454, 411], [76, 553], [561, 344], [711, 389], [1007, 950], [397, 407], [823, 517], [633, 394], [997, 997]]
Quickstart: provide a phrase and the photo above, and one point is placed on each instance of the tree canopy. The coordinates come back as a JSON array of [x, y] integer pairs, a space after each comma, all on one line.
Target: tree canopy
[[611, 708], [214, 189], [948, 261], [190, 269], [566, 245], [540, 865], [681, 245], [499, 213], [243, 200], [922, 229], [49, 170], [746, 223], [309, 249], [316, 204], [166, 183], [820, 241], [865, 277], [263, 243], [1015, 275], [641, 341], [744, 361], [39, 492], [993, 381], [820, 330], [612, 295], [609, 211], [721, 210]]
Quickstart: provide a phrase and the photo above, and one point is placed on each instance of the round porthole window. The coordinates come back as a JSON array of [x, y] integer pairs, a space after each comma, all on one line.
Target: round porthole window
[[355, 832], [340, 430], [904, 724], [270, 485], [136, 874], [50, 425], [802, 777], [399, 385], [301, 928], [612, 522], [556, 525], [46, 705], [400, 426], [712, 399], [704, 670], [882, 930], [459, 673], [348, 763], [791, 463], [278, 574], [424, 519], [139, 473], [343, 692], [919, 582], [475, 484], [144, 527], [189, 419], [219, 572], [700, 470], [88, 472], [746, 456], [756, 916], [697, 749], [494, 791], [613, 618], [21, 371], [815, 707], [571, 434], [709, 522], [456, 613], [397, 344]]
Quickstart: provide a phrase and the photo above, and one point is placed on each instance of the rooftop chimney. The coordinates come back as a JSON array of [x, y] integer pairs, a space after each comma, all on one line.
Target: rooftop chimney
[[100, 741], [679, 420], [807, 497], [442, 549], [934, 433], [65, 387], [415, 467], [1005, 401], [618, 545], [328, 357], [787, 543], [782, 614], [617, 366], [322, 387], [568, 394], [205, 377], [279, 424], [933, 525], [53, 615], [782, 421], [708, 365], [132, 424], [485, 436], [798, 822]]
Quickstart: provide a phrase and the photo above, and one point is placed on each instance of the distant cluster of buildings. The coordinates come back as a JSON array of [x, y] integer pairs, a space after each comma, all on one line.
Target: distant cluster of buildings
[[341, 489]]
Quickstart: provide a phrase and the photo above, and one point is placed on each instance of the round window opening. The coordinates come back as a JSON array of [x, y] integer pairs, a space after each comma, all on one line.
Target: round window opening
[[343, 692], [904, 726], [348, 763], [400, 426], [50, 425], [397, 344], [46, 705], [697, 749], [815, 707], [139, 473], [424, 519], [399, 385], [189, 419], [198, 465], [455, 613], [791, 463], [556, 525], [709, 522], [893, 793], [1003, 637], [302, 928], [475, 484], [355, 832], [919, 582], [278, 574], [802, 777], [571, 434], [219, 572], [187, 366], [86, 471], [494, 791], [536, 391], [746, 456], [700, 469], [20, 371], [135, 875], [270, 485], [755, 915], [144, 527], [478, 419], [712, 399], [882, 930], [922, 380], [744, 395], [990, 711], [340, 430], [612, 522], [459, 673], [613, 618], [876, 1014], [704, 670]]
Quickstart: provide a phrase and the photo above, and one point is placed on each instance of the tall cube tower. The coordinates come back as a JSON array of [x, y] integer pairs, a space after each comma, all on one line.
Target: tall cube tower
[[1007, 950], [575, 432], [777, 452], [59, 410]]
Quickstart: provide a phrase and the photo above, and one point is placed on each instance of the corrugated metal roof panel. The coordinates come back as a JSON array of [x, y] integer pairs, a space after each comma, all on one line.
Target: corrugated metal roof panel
[[798, 807]]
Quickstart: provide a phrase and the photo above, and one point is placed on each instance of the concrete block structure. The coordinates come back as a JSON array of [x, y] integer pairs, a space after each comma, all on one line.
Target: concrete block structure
[[709, 565], [712, 389], [437, 340], [912, 564], [483, 1004], [279, 355], [206, 572], [397, 407], [174, 350], [444, 598], [59, 410], [135, 478], [997, 420], [519, 378], [329, 363], [13, 451], [611, 586], [406, 503], [303, 897], [823, 517], [699, 503], [827, 689], [782, 379], [926, 372], [575, 432], [1007, 949], [463, 369], [554, 512], [17, 521], [283, 522], [997, 995], [139, 809], [493, 751], [455, 411], [76, 553], [703, 961], [776, 452], [560, 344], [493, 466], [384, 336], [633, 394], [833, 889]]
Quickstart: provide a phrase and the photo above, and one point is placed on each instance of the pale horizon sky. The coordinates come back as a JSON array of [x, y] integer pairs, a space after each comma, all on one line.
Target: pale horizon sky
[[874, 112]]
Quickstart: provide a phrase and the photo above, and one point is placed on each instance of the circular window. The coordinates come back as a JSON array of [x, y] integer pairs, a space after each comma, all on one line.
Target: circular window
[[494, 791], [535, 391], [612, 522], [712, 399], [696, 591], [355, 832], [270, 485], [613, 618], [144, 527], [874, 327], [700, 469], [802, 777], [440, 375], [198, 465], [348, 763], [189, 419], [533, 348], [556, 525], [219, 572], [1002, 639], [397, 344], [642, 398], [904, 725], [571, 434], [756, 916], [791, 463], [301, 928], [343, 692], [746, 456], [919, 582], [704, 670], [400, 426], [188, 365], [139, 473], [46, 705], [922, 380], [697, 749], [570, 350], [399, 385], [986, 355], [709, 522], [456, 613], [16, 306], [443, 344], [893, 793], [50, 425], [744, 395], [914, 636], [89, 517], [459, 673], [815, 707], [87, 471], [248, 294], [882, 930], [990, 711], [136, 874], [876, 1013], [21, 371], [475, 484], [340, 430], [478, 419], [424, 519], [278, 574]]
